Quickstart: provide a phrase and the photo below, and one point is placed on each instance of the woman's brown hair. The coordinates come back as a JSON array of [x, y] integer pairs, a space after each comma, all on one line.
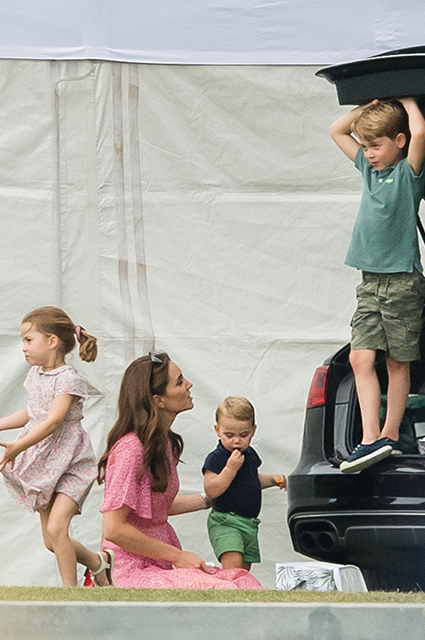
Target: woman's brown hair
[[52, 321], [138, 413]]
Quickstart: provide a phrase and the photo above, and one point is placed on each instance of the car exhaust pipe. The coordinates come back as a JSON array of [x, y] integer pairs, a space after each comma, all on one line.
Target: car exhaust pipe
[[324, 541], [307, 541]]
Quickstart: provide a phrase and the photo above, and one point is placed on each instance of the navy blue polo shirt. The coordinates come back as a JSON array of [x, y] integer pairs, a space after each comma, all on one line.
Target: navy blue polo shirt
[[244, 494]]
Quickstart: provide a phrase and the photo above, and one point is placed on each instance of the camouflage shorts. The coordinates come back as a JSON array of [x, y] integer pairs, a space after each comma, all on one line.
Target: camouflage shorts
[[389, 314]]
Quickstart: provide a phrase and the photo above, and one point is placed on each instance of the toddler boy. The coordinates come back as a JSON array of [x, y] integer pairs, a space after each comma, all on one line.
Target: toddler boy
[[233, 485]]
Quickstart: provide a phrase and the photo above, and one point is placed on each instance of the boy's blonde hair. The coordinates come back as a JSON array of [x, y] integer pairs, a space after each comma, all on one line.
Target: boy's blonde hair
[[382, 119], [237, 407], [53, 321]]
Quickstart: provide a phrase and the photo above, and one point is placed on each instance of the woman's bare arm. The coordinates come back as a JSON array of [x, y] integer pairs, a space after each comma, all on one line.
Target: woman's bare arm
[[117, 529], [188, 503]]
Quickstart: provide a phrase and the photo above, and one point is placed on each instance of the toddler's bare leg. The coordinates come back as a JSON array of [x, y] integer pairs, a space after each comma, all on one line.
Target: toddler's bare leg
[[234, 560], [368, 392], [398, 390]]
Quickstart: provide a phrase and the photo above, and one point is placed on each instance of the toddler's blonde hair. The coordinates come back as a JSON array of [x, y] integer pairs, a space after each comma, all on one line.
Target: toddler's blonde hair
[[237, 407]]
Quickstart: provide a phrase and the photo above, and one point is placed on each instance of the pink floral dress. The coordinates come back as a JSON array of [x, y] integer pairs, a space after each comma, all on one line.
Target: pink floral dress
[[127, 483], [64, 461]]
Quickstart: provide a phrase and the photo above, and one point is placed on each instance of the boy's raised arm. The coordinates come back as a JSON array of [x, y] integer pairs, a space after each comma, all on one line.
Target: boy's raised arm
[[416, 151], [340, 131]]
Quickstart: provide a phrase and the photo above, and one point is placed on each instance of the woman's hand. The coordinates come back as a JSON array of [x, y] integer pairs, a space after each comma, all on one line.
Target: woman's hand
[[189, 560]]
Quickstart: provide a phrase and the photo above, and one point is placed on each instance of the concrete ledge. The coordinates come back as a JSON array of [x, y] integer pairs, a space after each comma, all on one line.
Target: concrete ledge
[[208, 621]]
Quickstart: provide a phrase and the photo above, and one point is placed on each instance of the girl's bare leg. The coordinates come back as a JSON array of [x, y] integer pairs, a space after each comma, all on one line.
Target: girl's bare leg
[[55, 526], [55, 521], [91, 560]]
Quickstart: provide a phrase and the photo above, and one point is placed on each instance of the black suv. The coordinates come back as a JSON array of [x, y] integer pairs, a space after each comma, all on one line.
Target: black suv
[[374, 519]]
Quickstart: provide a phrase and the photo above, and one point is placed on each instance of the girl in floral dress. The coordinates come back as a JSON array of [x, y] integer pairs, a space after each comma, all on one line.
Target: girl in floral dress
[[51, 466], [141, 486]]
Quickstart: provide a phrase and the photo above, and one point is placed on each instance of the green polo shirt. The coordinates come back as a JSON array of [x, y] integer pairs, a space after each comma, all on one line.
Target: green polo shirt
[[385, 238]]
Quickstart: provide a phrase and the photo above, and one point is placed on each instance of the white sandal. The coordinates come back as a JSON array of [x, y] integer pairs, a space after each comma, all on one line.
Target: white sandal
[[106, 566]]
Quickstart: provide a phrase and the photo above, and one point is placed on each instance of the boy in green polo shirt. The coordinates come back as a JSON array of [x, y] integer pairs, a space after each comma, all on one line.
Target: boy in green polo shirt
[[386, 141]]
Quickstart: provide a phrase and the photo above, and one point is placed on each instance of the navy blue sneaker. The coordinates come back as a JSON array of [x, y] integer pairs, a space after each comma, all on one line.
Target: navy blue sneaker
[[365, 455], [394, 444]]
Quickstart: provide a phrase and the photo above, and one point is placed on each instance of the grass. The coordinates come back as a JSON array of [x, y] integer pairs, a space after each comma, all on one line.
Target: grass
[[75, 594]]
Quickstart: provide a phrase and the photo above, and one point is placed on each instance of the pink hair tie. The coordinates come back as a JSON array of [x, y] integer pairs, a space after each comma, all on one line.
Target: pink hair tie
[[78, 329]]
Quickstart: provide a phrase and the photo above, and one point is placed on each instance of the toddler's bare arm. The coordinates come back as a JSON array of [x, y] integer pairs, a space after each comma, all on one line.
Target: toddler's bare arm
[[217, 483], [272, 480]]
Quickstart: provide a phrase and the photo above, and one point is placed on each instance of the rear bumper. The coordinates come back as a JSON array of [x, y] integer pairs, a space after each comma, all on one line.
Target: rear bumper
[[367, 539], [363, 518]]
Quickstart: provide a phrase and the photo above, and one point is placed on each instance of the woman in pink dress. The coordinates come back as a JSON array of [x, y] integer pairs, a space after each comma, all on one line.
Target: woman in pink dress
[[139, 468]]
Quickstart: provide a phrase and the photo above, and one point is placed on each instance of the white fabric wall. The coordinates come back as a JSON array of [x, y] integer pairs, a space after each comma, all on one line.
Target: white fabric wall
[[210, 31], [203, 210]]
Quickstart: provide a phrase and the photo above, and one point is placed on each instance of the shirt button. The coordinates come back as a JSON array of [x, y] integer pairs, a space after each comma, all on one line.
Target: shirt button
[[380, 179]]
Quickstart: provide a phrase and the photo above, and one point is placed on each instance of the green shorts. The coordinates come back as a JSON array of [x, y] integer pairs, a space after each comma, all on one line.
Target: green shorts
[[230, 532], [389, 314]]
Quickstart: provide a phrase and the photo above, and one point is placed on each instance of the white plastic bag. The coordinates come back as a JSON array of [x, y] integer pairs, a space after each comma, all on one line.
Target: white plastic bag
[[318, 576]]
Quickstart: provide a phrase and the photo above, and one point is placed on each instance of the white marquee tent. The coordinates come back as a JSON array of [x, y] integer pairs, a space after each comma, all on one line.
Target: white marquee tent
[[167, 177]]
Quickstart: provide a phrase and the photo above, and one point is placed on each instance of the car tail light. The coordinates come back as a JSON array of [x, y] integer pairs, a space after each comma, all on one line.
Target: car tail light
[[318, 388]]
